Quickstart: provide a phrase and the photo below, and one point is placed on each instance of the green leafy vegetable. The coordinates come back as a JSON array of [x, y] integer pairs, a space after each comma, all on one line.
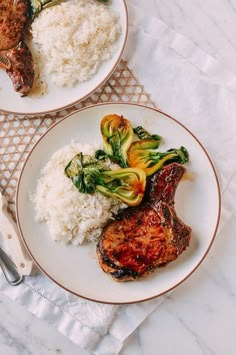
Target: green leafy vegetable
[[38, 5], [84, 170], [143, 154], [117, 135], [100, 155], [138, 159], [142, 133], [88, 175], [127, 185]]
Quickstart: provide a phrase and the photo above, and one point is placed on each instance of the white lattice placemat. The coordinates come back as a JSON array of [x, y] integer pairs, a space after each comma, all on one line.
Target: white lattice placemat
[[18, 134]]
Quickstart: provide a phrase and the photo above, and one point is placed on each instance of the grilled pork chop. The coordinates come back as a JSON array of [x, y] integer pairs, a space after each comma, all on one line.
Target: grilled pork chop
[[18, 62], [15, 57], [13, 19], [148, 236]]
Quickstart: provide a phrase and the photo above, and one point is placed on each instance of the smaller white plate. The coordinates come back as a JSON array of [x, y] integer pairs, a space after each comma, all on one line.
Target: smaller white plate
[[57, 98], [76, 269]]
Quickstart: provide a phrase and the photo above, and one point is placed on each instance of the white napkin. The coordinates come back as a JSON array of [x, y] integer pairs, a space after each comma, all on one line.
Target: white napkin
[[188, 84], [97, 328]]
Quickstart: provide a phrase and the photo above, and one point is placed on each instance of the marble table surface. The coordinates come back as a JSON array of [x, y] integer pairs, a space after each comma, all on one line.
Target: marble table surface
[[199, 317]]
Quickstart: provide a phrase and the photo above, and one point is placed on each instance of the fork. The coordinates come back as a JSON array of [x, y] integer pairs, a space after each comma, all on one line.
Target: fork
[[9, 269]]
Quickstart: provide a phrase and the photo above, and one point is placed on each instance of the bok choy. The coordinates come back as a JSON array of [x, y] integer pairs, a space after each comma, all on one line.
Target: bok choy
[[38, 5], [143, 154], [117, 135], [89, 175], [142, 133]]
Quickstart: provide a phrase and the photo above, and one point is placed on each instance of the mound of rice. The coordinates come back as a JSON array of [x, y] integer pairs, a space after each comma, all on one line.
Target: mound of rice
[[71, 216], [73, 38]]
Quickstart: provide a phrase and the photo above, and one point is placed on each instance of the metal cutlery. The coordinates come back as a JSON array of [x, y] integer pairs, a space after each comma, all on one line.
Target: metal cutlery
[[9, 269]]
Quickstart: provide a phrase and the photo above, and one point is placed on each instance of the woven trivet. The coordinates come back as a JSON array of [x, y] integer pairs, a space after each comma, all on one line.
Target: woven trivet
[[18, 134]]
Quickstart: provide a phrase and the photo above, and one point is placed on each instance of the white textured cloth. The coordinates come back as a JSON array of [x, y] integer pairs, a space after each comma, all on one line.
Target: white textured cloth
[[187, 83], [97, 328]]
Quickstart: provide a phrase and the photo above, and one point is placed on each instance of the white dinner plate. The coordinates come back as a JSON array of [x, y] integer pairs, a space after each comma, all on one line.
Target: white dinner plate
[[56, 98], [75, 268]]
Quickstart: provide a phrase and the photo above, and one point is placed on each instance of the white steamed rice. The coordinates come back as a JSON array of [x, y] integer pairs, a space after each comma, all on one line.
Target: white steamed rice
[[71, 216], [73, 39]]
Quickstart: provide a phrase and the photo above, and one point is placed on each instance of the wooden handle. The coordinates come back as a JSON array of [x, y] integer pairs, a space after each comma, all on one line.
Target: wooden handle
[[9, 230]]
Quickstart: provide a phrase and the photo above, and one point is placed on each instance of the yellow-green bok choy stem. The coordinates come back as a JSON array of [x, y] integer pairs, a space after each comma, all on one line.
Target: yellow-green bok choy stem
[[127, 185], [143, 154], [88, 175], [117, 135]]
